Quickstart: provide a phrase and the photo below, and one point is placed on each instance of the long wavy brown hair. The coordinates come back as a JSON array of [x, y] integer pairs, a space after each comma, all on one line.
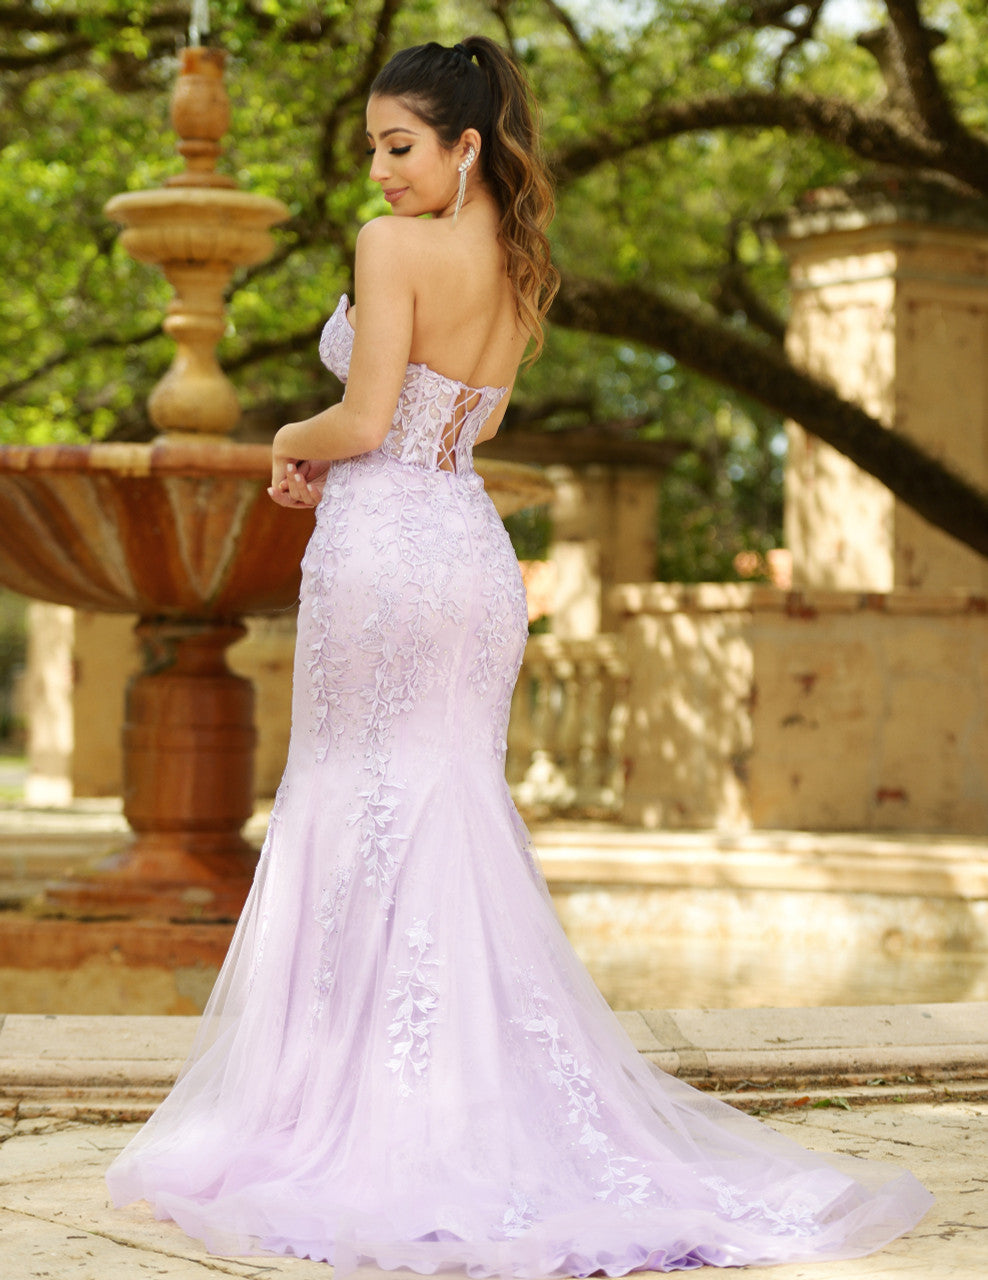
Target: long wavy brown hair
[[475, 85]]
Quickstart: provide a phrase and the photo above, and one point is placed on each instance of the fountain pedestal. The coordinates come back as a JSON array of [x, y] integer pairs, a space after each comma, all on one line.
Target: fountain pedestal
[[184, 536], [188, 740]]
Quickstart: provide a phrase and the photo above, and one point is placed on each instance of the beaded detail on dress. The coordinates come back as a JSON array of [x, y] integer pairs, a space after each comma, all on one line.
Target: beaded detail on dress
[[437, 420]]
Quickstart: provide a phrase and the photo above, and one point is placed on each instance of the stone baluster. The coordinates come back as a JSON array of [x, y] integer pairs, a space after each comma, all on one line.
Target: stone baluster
[[591, 763], [566, 734], [565, 743]]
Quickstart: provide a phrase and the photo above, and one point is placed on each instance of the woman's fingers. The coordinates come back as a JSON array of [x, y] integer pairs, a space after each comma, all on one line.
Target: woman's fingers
[[293, 489]]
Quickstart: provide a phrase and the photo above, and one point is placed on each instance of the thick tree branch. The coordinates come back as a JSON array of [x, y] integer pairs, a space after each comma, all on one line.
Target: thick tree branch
[[378, 51], [499, 9], [764, 373], [49, 57], [104, 341], [610, 444], [300, 340], [78, 37], [580, 45], [14, 17], [358, 90], [28, 17], [733, 292], [874, 136], [910, 48]]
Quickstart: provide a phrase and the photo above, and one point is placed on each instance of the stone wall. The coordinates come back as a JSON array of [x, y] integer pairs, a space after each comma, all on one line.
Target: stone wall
[[604, 523], [78, 667], [754, 707], [47, 693], [893, 310]]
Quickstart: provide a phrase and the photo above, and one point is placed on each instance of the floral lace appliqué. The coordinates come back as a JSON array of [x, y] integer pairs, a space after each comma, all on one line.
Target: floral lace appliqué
[[799, 1217], [519, 1216], [327, 917], [336, 341], [415, 996], [378, 843], [616, 1176], [437, 419], [499, 640], [327, 548]]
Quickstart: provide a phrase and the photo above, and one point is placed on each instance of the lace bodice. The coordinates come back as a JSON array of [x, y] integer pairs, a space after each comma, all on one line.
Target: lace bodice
[[437, 419]]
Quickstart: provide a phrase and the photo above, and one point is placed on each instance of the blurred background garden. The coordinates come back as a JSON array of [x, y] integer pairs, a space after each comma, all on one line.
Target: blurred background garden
[[757, 545]]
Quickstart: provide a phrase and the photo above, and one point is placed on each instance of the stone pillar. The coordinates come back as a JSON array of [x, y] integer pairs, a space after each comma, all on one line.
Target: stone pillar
[[48, 704], [890, 304], [265, 657], [103, 656], [106, 656], [604, 531]]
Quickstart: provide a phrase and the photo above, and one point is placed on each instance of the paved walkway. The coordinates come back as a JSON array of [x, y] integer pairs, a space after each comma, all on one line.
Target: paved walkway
[[907, 1084], [72, 1090]]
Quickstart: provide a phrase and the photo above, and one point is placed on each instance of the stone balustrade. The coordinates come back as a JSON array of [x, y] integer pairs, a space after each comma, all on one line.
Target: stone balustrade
[[565, 738], [715, 706]]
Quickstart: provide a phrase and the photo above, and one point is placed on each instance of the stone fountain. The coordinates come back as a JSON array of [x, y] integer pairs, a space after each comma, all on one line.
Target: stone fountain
[[181, 533]]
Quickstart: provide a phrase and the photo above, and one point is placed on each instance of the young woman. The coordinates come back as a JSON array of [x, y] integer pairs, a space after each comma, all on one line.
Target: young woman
[[403, 1064]]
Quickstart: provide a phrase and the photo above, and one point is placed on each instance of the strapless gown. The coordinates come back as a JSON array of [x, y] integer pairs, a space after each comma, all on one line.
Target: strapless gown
[[403, 1063]]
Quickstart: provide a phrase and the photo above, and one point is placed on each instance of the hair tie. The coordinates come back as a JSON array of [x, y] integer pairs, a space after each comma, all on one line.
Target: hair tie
[[459, 48]]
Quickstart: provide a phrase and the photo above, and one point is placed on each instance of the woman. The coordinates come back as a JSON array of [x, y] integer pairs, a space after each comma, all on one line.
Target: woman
[[403, 1064]]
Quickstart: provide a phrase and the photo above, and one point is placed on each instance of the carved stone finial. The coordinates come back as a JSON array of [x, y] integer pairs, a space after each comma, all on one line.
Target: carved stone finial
[[200, 115], [198, 229]]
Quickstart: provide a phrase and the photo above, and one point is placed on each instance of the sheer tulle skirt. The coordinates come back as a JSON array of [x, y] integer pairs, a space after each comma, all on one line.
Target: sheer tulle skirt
[[403, 1063]]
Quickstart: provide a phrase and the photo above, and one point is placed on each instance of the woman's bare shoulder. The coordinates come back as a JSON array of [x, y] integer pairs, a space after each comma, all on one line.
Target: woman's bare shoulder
[[408, 247], [382, 235], [388, 231]]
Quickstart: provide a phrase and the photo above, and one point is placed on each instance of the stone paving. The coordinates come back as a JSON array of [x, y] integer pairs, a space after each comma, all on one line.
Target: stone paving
[[56, 1224], [68, 1083], [902, 1083]]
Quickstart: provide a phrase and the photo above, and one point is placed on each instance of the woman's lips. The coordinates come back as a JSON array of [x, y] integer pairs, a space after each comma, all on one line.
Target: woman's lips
[[396, 194]]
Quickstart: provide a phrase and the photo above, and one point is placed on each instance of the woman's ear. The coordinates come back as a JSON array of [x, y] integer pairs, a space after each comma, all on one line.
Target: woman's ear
[[469, 139]]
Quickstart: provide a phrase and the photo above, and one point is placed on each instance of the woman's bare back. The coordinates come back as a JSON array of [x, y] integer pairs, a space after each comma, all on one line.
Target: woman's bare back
[[465, 320]]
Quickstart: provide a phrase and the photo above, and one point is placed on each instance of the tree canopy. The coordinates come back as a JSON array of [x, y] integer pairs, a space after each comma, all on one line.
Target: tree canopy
[[674, 128]]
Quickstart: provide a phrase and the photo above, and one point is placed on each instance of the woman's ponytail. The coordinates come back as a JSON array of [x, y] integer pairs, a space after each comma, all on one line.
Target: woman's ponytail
[[516, 174], [476, 85]]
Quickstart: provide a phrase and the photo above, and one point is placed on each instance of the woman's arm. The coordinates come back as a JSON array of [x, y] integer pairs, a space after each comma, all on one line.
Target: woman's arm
[[359, 423]]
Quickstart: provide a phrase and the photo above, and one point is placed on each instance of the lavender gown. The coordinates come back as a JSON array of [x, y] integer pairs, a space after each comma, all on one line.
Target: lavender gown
[[403, 1063]]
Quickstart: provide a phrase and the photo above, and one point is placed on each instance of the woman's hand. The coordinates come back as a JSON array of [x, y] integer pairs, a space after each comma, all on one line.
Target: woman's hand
[[297, 485]]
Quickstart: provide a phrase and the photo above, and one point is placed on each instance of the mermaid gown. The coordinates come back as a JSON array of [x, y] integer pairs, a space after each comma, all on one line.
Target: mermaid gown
[[403, 1063]]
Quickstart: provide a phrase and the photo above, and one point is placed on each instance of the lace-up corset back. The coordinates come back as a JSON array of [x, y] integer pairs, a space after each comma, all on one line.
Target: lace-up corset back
[[437, 419]]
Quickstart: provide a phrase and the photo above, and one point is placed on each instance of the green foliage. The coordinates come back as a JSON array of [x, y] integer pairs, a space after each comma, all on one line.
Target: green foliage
[[80, 342], [12, 656], [530, 532]]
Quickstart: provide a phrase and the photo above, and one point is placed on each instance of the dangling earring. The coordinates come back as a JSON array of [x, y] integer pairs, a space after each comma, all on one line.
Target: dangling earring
[[462, 168]]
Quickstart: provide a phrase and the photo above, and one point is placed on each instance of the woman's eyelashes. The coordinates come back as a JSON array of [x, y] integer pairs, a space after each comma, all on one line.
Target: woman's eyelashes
[[393, 151]]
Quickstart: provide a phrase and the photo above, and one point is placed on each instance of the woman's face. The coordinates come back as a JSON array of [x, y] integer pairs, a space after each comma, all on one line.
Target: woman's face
[[416, 172]]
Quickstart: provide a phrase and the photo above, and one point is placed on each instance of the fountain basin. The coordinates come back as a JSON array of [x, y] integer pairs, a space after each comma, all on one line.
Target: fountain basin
[[197, 224], [183, 534], [172, 529]]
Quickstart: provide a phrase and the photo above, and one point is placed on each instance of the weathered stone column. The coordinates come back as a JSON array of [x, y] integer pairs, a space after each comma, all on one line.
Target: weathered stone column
[[47, 690], [604, 533], [890, 304]]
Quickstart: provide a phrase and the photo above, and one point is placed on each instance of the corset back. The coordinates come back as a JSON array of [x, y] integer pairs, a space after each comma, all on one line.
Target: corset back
[[437, 419]]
